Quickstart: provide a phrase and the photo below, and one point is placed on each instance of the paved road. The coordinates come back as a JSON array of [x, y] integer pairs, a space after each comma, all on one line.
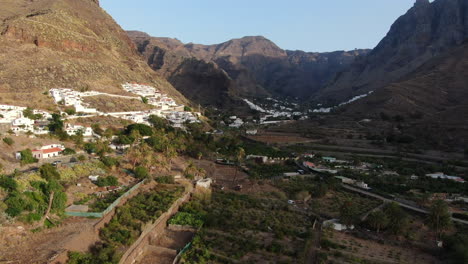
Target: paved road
[[409, 207]]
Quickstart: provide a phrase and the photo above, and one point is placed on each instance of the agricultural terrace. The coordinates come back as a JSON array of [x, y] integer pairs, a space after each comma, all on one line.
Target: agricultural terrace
[[246, 229], [126, 226]]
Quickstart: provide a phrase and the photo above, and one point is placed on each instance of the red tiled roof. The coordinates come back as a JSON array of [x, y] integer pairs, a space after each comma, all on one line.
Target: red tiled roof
[[47, 151]]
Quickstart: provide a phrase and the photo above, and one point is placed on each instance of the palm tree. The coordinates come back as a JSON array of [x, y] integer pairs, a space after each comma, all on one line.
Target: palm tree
[[377, 220], [439, 217], [240, 154]]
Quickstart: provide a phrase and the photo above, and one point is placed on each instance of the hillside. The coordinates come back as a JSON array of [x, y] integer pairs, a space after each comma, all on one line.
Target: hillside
[[426, 31], [246, 67], [65, 43], [432, 102]]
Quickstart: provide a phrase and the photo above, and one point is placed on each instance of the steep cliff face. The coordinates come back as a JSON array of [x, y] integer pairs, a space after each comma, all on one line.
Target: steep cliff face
[[254, 66], [424, 32], [65, 43]]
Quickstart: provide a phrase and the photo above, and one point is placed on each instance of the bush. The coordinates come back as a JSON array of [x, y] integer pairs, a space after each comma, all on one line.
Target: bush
[[49, 172], [110, 161], [141, 172], [143, 129], [9, 141], [186, 219], [165, 179], [68, 151], [8, 183], [107, 181], [70, 111], [27, 157]]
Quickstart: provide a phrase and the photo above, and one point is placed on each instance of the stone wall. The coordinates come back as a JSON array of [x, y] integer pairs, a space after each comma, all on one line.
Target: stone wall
[[152, 230]]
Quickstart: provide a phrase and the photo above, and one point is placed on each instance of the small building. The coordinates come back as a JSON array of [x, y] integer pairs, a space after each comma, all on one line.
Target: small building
[[329, 159], [441, 175], [345, 180], [93, 177], [336, 225], [204, 184], [362, 185], [48, 151], [291, 174], [251, 132]]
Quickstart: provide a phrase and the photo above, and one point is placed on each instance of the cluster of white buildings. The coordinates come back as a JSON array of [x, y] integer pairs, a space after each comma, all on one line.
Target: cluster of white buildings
[[329, 109], [165, 106], [443, 176], [154, 97], [278, 111], [69, 97], [13, 117]]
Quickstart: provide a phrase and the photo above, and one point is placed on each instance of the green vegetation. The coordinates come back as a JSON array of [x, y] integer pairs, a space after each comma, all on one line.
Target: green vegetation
[[9, 141], [70, 111], [68, 151], [107, 181], [29, 113], [49, 172], [141, 172], [101, 204], [125, 226], [186, 219], [252, 225], [27, 157]]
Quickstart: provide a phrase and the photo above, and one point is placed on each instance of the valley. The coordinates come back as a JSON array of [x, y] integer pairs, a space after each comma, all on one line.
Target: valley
[[121, 147]]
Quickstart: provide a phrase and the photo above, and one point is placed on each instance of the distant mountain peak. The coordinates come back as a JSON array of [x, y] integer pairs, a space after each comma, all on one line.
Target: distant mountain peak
[[422, 2]]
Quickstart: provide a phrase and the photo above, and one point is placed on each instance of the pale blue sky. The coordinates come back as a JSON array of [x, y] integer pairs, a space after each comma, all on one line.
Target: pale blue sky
[[310, 25]]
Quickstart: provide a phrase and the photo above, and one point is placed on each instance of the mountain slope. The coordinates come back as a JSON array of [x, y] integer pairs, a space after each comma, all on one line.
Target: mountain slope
[[65, 43], [432, 102], [424, 32], [253, 66]]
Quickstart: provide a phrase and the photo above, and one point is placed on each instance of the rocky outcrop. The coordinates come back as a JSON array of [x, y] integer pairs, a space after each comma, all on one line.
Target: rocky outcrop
[[424, 32]]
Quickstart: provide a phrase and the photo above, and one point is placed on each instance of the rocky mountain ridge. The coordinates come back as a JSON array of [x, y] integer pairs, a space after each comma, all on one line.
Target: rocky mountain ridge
[[426, 31], [251, 66]]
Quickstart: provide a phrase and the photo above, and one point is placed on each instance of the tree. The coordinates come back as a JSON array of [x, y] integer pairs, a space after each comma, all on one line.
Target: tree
[[144, 99], [142, 128], [49, 172], [397, 218], [8, 183], [141, 172], [348, 213], [377, 220], [240, 154], [157, 122], [439, 217], [27, 157], [70, 111], [56, 125], [9, 141]]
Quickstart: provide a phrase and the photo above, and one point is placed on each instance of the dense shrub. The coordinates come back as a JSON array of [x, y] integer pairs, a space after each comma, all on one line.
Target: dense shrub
[[107, 181]]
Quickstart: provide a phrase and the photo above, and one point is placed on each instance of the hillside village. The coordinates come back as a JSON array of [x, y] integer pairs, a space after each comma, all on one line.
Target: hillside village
[[23, 120]]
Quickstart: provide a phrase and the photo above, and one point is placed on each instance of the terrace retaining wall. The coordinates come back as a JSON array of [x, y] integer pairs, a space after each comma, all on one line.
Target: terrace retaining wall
[[150, 231]]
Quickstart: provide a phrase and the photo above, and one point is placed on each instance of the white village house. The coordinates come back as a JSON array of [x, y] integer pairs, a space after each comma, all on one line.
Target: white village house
[[48, 151]]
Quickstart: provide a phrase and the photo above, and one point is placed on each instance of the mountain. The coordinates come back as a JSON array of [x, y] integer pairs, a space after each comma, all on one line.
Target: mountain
[[426, 31], [65, 43], [246, 67], [431, 103]]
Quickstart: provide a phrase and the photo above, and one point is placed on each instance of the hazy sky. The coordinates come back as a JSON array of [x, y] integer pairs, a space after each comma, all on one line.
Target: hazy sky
[[310, 25]]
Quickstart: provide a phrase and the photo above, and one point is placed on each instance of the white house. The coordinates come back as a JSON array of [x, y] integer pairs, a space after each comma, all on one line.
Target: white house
[[48, 151], [336, 225]]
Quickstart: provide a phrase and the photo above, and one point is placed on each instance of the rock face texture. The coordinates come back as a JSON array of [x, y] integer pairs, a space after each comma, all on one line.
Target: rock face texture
[[250, 66], [424, 32], [65, 43]]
